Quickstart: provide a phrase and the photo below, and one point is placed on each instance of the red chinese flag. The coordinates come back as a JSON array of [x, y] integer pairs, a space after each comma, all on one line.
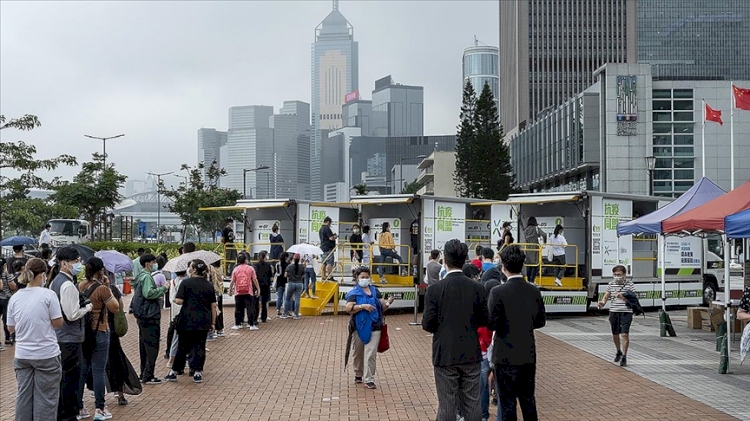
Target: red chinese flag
[[741, 98], [713, 115]]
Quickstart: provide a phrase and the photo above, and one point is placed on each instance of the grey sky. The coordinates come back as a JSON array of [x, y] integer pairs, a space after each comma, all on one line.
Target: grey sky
[[158, 71]]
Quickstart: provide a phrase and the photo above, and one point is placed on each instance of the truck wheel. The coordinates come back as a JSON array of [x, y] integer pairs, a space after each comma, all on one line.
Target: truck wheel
[[709, 292]]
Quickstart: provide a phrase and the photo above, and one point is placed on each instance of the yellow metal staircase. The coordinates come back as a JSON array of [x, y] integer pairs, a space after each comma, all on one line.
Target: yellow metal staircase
[[325, 291]]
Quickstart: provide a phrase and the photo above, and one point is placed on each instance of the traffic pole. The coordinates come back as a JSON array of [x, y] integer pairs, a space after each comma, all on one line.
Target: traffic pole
[[416, 306]]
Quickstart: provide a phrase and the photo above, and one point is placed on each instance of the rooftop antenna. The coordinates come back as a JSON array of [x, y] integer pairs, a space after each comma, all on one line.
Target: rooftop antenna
[[476, 41], [335, 5]]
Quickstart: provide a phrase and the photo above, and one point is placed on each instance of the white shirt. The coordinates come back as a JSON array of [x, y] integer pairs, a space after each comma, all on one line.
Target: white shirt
[[69, 300], [175, 308], [45, 238], [366, 248], [558, 244], [30, 312]]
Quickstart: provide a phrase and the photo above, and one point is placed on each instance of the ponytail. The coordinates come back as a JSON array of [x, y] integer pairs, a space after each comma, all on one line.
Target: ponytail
[[32, 269]]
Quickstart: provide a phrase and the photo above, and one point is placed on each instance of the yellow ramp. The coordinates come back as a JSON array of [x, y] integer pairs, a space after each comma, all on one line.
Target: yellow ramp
[[326, 291]]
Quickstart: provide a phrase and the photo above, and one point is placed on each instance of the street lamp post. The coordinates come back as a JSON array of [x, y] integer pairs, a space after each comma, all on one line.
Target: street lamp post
[[650, 165], [158, 198], [104, 144], [401, 171], [244, 179], [182, 176]]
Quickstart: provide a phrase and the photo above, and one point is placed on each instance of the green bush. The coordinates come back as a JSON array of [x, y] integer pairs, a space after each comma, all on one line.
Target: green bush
[[131, 249]]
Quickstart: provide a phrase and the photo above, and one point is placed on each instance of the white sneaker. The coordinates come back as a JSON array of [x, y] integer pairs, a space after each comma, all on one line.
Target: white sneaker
[[236, 327], [558, 282], [83, 414], [253, 328]]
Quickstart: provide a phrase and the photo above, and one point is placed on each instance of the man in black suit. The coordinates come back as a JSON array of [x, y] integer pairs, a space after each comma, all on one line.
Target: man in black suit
[[454, 308], [516, 308]]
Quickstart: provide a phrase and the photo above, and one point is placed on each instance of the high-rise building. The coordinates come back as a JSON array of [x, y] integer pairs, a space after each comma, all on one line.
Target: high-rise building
[[210, 142], [335, 72], [357, 112], [695, 40], [290, 153], [551, 49], [397, 110], [248, 138], [480, 67]]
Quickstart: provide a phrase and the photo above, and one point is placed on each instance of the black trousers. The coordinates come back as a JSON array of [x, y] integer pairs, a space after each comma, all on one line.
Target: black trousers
[[193, 343], [4, 311], [220, 317], [265, 297], [71, 357], [170, 338], [149, 332], [458, 387], [516, 382], [242, 304]]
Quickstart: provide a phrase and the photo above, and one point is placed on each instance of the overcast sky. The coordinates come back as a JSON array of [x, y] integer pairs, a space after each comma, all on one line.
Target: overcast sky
[[159, 71]]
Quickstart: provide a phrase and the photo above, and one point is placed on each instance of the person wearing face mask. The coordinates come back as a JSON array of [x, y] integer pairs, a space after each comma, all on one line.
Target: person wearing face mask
[[516, 309], [71, 335], [147, 311], [620, 315], [355, 240], [295, 274], [366, 305], [33, 314]]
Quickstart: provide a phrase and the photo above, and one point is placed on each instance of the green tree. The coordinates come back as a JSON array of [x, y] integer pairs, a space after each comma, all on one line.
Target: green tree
[[412, 188], [495, 174], [467, 182], [93, 190], [20, 158], [202, 192], [359, 189], [483, 168]]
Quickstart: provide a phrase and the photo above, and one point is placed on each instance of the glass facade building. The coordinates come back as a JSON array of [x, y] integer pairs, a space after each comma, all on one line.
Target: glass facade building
[[397, 110], [335, 72], [695, 40], [480, 67], [673, 141]]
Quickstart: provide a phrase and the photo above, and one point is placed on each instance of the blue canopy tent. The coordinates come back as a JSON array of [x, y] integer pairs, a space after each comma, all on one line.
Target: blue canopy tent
[[702, 192], [738, 225]]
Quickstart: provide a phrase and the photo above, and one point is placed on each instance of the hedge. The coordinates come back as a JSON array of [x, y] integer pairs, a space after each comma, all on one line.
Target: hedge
[[131, 249]]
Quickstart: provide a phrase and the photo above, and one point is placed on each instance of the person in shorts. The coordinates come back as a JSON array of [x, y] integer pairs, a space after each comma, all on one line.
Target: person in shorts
[[620, 315]]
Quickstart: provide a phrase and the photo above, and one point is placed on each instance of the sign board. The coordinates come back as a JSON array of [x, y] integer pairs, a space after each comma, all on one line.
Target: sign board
[[500, 215], [351, 96], [683, 253], [450, 222], [427, 226], [607, 250]]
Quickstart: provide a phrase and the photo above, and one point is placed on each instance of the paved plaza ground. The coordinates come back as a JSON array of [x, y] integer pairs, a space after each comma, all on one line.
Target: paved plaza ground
[[293, 370]]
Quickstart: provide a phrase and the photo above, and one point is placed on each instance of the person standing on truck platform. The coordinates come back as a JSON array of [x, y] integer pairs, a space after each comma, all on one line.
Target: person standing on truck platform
[[227, 239], [558, 253], [620, 315], [327, 244], [533, 235], [277, 242]]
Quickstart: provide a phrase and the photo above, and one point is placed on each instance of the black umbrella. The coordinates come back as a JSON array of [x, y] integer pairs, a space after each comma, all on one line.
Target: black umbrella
[[85, 251]]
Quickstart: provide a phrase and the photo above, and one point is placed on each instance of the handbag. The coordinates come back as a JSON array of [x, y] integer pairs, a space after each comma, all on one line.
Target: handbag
[[121, 323], [385, 343]]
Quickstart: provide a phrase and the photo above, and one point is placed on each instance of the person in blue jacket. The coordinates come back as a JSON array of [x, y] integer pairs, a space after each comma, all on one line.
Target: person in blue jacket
[[366, 305]]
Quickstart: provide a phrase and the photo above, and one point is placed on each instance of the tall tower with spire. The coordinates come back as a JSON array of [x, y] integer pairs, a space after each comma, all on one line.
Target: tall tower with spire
[[335, 72]]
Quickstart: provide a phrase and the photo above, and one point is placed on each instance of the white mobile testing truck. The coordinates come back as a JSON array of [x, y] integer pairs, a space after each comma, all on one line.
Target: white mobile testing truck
[[693, 272]]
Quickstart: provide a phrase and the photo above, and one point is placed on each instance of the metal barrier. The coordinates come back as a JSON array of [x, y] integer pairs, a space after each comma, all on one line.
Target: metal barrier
[[542, 263], [345, 264]]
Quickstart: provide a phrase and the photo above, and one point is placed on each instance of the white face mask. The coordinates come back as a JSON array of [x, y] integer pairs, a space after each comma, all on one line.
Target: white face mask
[[363, 282]]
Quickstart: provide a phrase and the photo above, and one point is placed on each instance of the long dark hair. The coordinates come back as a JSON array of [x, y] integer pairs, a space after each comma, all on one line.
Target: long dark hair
[[93, 266], [297, 258], [558, 230], [386, 227]]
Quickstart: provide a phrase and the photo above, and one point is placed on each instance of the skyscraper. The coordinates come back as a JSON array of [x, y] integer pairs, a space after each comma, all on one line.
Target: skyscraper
[[335, 72], [248, 140], [551, 49], [210, 142], [480, 66], [290, 153], [397, 110]]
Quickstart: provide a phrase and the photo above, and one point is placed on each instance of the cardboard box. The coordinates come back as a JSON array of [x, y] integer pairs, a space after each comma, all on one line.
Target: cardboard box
[[694, 320], [706, 320]]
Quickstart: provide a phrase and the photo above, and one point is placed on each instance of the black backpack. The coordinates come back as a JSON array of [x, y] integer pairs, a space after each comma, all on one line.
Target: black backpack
[[89, 341]]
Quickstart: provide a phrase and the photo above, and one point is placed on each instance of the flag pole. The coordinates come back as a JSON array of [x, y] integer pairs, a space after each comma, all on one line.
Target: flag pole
[[731, 137], [703, 139]]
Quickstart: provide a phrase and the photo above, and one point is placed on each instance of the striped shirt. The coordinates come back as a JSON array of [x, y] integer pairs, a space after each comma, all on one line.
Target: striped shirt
[[617, 305]]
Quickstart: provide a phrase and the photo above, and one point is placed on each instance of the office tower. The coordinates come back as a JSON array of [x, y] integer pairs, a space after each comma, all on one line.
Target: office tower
[[290, 154], [480, 66], [551, 48], [210, 142], [249, 143], [695, 40], [335, 72], [357, 112], [397, 110]]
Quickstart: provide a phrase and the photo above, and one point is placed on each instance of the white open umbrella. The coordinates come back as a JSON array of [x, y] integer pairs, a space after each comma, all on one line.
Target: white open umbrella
[[305, 249], [180, 263]]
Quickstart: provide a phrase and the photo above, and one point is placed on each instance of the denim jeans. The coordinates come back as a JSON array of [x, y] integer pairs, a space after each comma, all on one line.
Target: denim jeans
[[293, 294], [96, 363], [387, 253], [484, 388], [280, 299], [310, 279]]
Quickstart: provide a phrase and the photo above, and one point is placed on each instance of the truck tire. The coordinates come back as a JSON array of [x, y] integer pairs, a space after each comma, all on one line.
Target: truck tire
[[710, 286]]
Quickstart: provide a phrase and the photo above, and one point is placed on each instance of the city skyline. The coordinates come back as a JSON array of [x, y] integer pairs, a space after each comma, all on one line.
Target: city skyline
[[159, 84]]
